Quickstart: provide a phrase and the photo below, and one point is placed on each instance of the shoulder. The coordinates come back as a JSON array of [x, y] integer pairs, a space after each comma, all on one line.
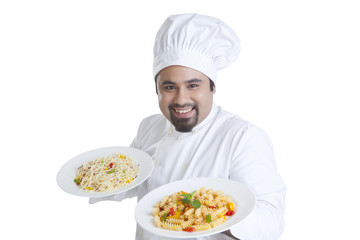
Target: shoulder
[[237, 126], [151, 129], [248, 141], [231, 121], [155, 121]]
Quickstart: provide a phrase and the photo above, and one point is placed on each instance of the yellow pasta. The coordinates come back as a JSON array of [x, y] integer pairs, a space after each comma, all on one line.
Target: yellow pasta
[[157, 221], [204, 210], [207, 202], [200, 210], [164, 201], [171, 226], [202, 227], [218, 212], [198, 220], [156, 211], [175, 221], [219, 199], [188, 223], [218, 221], [189, 211]]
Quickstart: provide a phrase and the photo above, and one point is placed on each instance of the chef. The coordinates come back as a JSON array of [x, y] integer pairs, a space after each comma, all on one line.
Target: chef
[[193, 137]]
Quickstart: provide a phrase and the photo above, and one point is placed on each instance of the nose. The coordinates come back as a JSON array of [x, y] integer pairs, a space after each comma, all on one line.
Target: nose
[[182, 96]]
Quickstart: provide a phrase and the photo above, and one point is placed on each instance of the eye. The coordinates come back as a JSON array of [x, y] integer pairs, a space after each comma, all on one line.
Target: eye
[[193, 85], [170, 87]]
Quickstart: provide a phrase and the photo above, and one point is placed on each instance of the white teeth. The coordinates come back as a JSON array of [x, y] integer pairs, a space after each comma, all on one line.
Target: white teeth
[[184, 111]]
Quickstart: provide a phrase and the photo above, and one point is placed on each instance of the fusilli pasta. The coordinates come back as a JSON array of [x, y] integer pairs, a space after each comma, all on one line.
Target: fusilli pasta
[[200, 210]]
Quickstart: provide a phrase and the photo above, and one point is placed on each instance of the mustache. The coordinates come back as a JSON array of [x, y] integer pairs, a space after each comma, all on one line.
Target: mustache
[[175, 105]]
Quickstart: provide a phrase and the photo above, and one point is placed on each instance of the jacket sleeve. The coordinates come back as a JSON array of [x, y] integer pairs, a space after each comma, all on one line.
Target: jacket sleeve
[[253, 164]]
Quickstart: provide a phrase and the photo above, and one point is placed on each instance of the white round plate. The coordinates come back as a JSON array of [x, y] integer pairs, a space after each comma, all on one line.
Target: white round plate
[[67, 173], [243, 198]]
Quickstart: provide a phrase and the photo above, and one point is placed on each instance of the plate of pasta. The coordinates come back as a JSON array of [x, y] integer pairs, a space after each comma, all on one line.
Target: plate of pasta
[[194, 207], [105, 171]]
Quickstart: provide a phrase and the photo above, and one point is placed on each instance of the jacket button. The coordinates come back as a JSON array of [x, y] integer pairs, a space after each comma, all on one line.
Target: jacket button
[[170, 130], [140, 233], [156, 163]]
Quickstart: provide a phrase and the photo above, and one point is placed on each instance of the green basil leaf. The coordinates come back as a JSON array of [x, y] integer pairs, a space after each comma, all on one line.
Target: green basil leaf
[[208, 218], [196, 203], [185, 200]]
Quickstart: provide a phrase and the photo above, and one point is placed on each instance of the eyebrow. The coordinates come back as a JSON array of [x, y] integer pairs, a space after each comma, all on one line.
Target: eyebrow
[[194, 80]]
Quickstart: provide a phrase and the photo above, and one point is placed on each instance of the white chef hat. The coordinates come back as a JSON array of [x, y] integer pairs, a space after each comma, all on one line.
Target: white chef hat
[[196, 41]]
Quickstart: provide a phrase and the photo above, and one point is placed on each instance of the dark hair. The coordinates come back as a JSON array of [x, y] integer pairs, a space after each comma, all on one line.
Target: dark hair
[[212, 85]]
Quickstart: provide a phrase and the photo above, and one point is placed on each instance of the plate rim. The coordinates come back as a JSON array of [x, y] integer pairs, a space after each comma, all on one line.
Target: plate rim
[[170, 233]]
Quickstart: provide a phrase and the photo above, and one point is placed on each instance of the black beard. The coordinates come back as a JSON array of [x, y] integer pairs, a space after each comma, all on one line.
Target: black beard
[[184, 124]]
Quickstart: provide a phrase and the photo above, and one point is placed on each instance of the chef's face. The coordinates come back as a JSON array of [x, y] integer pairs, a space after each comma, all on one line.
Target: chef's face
[[184, 96]]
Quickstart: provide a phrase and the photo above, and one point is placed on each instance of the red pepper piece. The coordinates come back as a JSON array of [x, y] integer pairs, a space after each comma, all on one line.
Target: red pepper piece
[[111, 165], [229, 213], [189, 229], [172, 211]]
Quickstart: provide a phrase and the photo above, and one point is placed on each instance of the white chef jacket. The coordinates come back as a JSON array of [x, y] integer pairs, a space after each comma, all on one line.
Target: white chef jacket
[[222, 146]]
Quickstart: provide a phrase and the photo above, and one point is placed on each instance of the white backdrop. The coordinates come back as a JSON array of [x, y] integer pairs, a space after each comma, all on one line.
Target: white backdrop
[[77, 75]]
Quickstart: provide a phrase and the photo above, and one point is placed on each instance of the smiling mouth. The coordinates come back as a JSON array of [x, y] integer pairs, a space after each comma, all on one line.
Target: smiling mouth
[[183, 111]]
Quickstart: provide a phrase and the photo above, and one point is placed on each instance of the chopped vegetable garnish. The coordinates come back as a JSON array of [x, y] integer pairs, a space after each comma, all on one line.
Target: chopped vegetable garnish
[[172, 211], [229, 213], [77, 181], [208, 218], [189, 229], [111, 171], [176, 215], [230, 206], [163, 218], [196, 203], [187, 200], [128, 181]]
